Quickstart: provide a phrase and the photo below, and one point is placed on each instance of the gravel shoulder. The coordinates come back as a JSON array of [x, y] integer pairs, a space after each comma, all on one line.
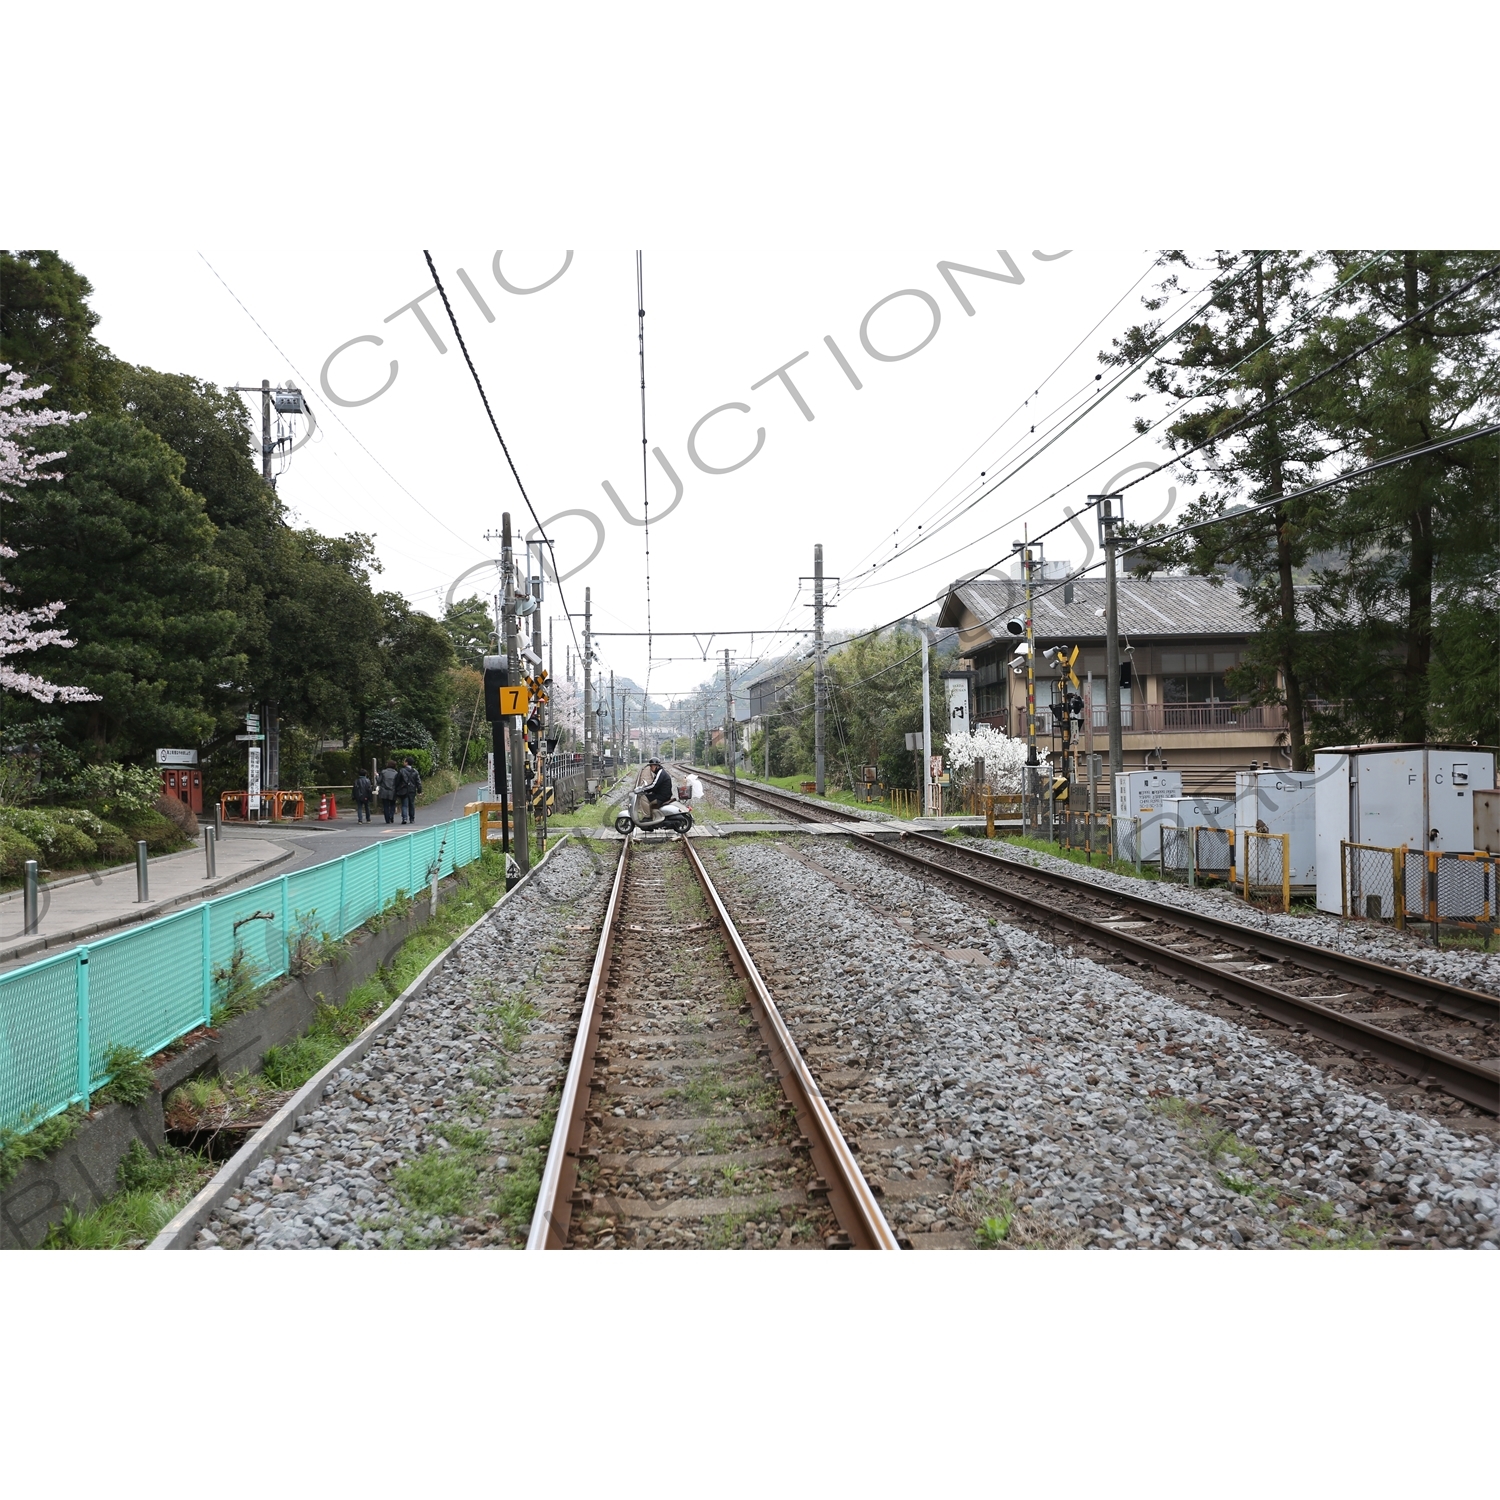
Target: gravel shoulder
[[1472, 968], [436, 1138], [1064, 1103]]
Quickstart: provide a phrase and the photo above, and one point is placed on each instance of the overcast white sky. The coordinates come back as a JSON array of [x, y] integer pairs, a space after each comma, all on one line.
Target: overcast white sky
[[561, 369]]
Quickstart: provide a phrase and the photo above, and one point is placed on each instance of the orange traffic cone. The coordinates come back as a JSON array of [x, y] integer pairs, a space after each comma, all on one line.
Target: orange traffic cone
[[333, 808], [323, 809]]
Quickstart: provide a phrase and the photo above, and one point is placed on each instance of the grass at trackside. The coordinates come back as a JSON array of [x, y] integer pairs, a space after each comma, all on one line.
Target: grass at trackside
[[830, 793], [1080, 857], [153, 1189]]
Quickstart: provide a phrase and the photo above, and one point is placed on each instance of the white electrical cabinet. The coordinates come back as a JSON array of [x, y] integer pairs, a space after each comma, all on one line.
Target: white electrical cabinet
[[1143, 795], [1200, 812], [1389, 796], [1279, 802]]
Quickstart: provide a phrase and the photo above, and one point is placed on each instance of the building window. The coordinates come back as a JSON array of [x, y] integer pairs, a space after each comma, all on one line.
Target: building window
[[1194, 687]]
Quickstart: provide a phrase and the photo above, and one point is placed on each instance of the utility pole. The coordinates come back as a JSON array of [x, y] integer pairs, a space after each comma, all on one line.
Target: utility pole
[[926, 726], [516, 734], [819, 765], [1107, 523], [1031, 783], [551, 711], [588, 684], [614, 742], [729, 724]]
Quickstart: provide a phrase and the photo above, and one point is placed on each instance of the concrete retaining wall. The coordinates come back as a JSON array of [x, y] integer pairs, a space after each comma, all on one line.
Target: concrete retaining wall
[[81, 1174]]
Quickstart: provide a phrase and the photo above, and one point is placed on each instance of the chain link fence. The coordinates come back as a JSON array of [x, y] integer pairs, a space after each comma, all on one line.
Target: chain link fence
[[1198, 855], [1266, 867], [1407, 885]]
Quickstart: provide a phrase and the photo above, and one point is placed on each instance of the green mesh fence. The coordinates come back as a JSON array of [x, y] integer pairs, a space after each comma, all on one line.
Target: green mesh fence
[[148, 985]]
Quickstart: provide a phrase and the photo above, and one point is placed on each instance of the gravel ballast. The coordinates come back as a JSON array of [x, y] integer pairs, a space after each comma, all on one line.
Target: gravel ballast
[[1068, 1103], [1411, 950], [432, 1139]]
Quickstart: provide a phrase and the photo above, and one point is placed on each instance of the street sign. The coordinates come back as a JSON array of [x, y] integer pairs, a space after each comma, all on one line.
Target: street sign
[[514, 700], [249, 737], [252, 723], [252, 785], [869, 773], [177, 757], [937, 766]]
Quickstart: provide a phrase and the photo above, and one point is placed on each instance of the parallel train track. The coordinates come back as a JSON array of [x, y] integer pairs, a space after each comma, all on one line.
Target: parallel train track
[[1442, 1035], [688, 1116]]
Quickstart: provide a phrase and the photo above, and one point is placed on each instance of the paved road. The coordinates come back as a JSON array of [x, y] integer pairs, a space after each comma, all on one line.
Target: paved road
[[311, 842], [79, 909]]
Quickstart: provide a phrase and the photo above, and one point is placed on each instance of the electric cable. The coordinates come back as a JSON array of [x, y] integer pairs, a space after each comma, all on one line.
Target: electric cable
[[640, 304], [336, 417], [489, 412]]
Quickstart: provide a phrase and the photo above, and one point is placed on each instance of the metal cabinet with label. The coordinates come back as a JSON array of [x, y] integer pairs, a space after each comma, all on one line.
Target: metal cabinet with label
[[1143, 795], [1419, 797]]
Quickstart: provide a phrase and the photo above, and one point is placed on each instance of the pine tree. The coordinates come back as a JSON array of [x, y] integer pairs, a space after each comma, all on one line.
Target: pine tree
[[1224, 371], [1413, 611]]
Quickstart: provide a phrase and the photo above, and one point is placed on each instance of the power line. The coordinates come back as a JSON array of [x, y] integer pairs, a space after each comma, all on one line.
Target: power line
[[1337, 365], [306, 385], [1055, 435], [479, 386]]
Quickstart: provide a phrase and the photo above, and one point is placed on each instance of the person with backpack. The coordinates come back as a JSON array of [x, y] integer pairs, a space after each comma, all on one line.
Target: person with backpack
[[364, 790], [388, 790], [408, 784]]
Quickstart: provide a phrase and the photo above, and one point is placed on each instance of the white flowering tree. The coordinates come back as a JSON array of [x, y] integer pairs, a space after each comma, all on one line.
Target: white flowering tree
[[1004, 758], [24, 630]]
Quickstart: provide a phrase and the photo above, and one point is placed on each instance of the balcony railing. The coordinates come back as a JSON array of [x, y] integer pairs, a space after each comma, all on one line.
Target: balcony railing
[[1162, 718]]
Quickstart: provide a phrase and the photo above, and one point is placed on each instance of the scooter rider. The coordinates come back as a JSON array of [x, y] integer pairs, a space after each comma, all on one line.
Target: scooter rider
[[655, 794]]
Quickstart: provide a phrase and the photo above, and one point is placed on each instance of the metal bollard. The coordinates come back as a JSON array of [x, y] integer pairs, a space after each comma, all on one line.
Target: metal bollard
[[30, 909], [210, 852], [142, 890]]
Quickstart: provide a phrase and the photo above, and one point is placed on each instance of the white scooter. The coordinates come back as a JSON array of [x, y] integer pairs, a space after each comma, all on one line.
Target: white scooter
[[672, 817]]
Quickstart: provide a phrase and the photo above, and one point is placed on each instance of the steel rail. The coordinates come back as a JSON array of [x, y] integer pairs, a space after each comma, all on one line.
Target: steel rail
[[1465, 1080], [554, 1209], [1398, 984], [849, 1196], [1472, 1082]]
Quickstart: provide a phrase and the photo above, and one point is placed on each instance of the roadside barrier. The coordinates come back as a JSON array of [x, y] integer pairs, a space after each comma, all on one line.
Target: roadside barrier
[[1404, 885], [1268, 866], [149, 985], [1197, 855]]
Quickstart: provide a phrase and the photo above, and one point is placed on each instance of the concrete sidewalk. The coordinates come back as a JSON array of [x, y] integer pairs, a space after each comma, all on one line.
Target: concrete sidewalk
[[81, 907]]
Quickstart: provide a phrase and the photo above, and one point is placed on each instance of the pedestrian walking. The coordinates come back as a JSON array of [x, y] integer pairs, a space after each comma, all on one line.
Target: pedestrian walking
[[408, 784], [388, 790], [364, 791]]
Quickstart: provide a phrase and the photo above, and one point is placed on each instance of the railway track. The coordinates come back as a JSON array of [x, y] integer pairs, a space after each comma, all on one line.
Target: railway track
[[1440, 1035], [687, 1116]]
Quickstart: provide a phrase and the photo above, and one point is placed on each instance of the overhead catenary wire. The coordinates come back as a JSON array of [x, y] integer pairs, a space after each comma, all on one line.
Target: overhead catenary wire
[[1311, 380], [640, 307], [306, 385], [1066, 425], [504, 448]]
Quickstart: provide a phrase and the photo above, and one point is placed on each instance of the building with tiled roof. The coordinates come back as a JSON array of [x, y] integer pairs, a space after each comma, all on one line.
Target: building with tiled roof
[[1180, 635]]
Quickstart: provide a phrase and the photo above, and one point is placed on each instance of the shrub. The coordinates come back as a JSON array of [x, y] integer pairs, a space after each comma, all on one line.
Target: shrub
[[15, 850], [119, 791], [338, 766], [422, 759], [161, 835], [178, 813]]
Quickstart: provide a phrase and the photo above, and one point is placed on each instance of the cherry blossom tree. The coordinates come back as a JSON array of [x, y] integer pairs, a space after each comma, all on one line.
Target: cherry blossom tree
[[1004, 758], [20, 465]]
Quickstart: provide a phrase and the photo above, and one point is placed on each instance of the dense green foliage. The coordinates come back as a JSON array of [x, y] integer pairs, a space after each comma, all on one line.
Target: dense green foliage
[[190, 596], [1378, 600]]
